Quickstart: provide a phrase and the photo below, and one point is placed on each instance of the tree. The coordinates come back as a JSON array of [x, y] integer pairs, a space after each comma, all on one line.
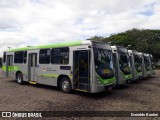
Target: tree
[[143, 40]]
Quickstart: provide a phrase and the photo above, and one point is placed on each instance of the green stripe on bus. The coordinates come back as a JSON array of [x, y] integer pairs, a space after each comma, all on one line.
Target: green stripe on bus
[[3, 68], [128, 76], [51, 75], [107, 81], [10, 68], [140, 73], [66, 44]]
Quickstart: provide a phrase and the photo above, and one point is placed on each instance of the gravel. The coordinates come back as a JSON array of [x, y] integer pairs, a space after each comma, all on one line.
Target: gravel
[[143, 95]]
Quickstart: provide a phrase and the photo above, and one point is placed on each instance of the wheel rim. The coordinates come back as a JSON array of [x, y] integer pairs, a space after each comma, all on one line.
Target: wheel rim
[[19, 79], [65, 86]]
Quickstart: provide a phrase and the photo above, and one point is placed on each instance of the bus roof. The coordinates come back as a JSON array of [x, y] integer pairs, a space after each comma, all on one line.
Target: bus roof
[[65, 44]]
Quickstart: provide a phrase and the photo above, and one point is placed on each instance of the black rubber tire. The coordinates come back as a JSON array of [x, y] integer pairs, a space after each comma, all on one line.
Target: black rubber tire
[[20, 78], [65, 85]]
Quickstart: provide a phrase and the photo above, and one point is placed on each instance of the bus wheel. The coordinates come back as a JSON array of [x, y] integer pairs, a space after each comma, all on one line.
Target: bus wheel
[[65, 85], [20, 78]]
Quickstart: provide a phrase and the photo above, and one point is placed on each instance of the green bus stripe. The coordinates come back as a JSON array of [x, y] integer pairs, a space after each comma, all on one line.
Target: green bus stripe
[[66, 44], [10, 68], [50, 75], [128, 76], [107, 81]]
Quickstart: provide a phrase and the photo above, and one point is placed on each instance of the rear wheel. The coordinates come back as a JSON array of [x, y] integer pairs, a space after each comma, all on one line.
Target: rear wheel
[[65, 85], [20, 78]]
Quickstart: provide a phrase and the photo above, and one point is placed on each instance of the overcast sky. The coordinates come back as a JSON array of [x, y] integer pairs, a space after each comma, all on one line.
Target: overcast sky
[[37, 22]]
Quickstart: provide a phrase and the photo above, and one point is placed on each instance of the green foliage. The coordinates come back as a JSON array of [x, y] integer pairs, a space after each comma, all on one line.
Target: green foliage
[[97, 38], [147, 41]]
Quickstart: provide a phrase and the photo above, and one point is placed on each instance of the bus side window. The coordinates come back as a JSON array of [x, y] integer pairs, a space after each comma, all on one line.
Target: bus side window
[[44, 56], [60, 55], [20, 57]]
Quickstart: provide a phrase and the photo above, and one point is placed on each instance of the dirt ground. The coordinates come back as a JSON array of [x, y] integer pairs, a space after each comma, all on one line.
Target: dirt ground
[[143, 95]]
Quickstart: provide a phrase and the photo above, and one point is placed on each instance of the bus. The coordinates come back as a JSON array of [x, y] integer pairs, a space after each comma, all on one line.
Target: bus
[[81, 65], [152, 65], [122, 65], [145, 64], [136, 64]]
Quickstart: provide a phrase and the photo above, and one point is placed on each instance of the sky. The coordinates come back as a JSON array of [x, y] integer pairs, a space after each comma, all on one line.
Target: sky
[[38, 22]]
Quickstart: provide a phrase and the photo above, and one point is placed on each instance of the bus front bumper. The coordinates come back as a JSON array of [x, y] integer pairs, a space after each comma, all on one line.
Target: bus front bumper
[[109, 87], [96, 88]]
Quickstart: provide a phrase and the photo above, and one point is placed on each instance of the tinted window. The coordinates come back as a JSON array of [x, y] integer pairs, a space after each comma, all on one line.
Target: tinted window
[[124, 60], [60, 56], [20, 57], [44, 56], [4, 57]]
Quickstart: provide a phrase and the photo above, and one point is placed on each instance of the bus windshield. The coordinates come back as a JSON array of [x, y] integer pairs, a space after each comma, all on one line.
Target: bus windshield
[[138, 62], [103, 61], [124, 61]]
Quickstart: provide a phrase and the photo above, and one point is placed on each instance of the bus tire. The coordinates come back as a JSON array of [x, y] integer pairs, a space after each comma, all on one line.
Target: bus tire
[[65, 85], [20, 78]]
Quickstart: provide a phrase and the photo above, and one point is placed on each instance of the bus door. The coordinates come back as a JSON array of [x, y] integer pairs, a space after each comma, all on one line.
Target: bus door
[[32, 67], [81, 70], [9, 65]]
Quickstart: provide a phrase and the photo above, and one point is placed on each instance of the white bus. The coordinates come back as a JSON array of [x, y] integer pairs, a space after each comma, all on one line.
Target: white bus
[[82, 65], [151, 64], [122, 65], [136, 64], [145, 64]]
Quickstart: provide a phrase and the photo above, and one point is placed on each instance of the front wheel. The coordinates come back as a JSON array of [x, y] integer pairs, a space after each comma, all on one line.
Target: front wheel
[[65, 85], [20, 78]]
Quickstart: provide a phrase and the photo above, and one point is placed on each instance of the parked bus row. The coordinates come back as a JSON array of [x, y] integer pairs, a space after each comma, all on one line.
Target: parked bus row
[[87, 66]]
